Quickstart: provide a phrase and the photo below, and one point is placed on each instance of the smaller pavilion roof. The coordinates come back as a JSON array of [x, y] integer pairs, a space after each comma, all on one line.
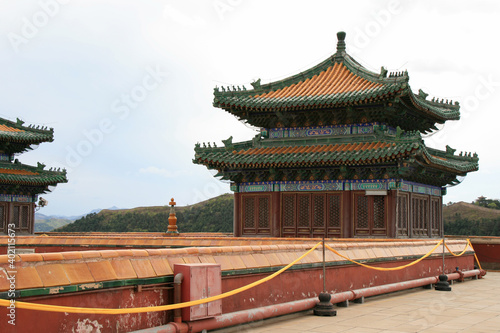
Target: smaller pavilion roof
[[17, 138], [17, 132], [21, 174]]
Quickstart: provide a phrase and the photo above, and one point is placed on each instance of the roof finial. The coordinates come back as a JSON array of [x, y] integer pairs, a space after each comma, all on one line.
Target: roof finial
[[341, 42]]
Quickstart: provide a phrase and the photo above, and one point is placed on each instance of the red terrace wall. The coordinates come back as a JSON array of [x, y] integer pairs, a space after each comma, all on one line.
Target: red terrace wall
[[488, 255], [289, 286], [296, 285], [28, 321]]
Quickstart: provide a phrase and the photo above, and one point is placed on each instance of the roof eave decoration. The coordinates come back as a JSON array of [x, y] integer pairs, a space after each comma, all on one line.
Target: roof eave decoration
[[19, 133], [22, 174], [459, 164]]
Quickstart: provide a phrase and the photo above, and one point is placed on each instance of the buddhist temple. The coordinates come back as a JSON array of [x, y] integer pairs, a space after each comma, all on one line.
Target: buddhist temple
[[21, 184], [340, 153]]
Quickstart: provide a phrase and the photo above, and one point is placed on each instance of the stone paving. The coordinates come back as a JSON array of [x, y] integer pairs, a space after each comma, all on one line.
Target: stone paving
[[471, 306]]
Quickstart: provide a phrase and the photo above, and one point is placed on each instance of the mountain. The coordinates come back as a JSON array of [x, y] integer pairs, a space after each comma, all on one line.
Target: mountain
[[213, 215], [44, 223], [468, 211], [463, 218]]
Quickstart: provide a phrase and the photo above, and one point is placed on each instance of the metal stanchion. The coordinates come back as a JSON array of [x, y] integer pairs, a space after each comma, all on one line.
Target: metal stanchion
[[443, 284], [324, 307]]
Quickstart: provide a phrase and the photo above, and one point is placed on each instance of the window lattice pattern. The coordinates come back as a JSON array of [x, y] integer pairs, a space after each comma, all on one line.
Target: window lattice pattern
[[402, 215], [420, 216], [2, 217], [303, 210], [289, 210], [416, 216], [264, 212], [362, 212], [24, 217], [16, 217], [379, 212], [319, 210], [249, 211], [334, 211], [423, 213]]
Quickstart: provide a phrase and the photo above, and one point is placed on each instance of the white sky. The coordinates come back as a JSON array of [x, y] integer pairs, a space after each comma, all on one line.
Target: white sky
[[70, 65]]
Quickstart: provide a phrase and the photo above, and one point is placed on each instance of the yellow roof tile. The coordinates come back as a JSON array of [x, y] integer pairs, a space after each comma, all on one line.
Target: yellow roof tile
[[27, 277], [143, 268], [78, 273], [102, 271], [52, 275], [161, 266], [123, 269]]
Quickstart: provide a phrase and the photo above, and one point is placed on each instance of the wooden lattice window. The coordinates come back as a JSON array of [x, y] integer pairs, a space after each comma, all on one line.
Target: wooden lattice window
[[24, 217], [256, 214], [362, 212], [420, 216], [289, 210], [264, 212], [21, 217], [311, 214], [304, 210], [318, 210], [378, 212], [370, 215], [402, 215], [334, 206], [249, 212]]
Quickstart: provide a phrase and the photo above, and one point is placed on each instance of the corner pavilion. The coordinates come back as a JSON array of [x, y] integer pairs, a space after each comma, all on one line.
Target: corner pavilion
[[20, 184], [340, 154]]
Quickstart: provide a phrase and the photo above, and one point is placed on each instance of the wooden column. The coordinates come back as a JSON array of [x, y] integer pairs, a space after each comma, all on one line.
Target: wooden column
[[32, 218], [237, 215], [391, 213], [347, 216], [276, 214]]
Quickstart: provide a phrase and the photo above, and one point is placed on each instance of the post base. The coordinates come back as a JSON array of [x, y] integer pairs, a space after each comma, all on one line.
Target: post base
[[443, 284], [324, 307]]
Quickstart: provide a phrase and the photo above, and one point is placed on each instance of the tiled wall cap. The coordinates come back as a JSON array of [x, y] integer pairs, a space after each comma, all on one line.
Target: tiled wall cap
[[124, 253], [51, 256], [109, 253], [140, 253], [30, 257], [5, 259], [91, 254], [192, 250], [72, 255], [205, 250]]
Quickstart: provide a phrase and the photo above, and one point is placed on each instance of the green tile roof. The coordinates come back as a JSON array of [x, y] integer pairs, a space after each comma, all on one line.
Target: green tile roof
[[339, 81], [362, 151], [16, 132], [21, 174]]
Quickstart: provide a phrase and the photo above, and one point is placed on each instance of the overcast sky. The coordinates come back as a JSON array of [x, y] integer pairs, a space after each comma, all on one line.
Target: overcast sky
[[128, 85]]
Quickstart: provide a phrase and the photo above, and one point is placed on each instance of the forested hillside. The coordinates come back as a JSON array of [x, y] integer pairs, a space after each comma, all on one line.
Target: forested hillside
[[216, 215], [213, 215], [480, 218]]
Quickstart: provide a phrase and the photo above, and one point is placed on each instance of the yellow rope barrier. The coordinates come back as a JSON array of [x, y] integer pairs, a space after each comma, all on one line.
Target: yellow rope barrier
[[68, 309], [390, 268], [461, 253], [475, 256]]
